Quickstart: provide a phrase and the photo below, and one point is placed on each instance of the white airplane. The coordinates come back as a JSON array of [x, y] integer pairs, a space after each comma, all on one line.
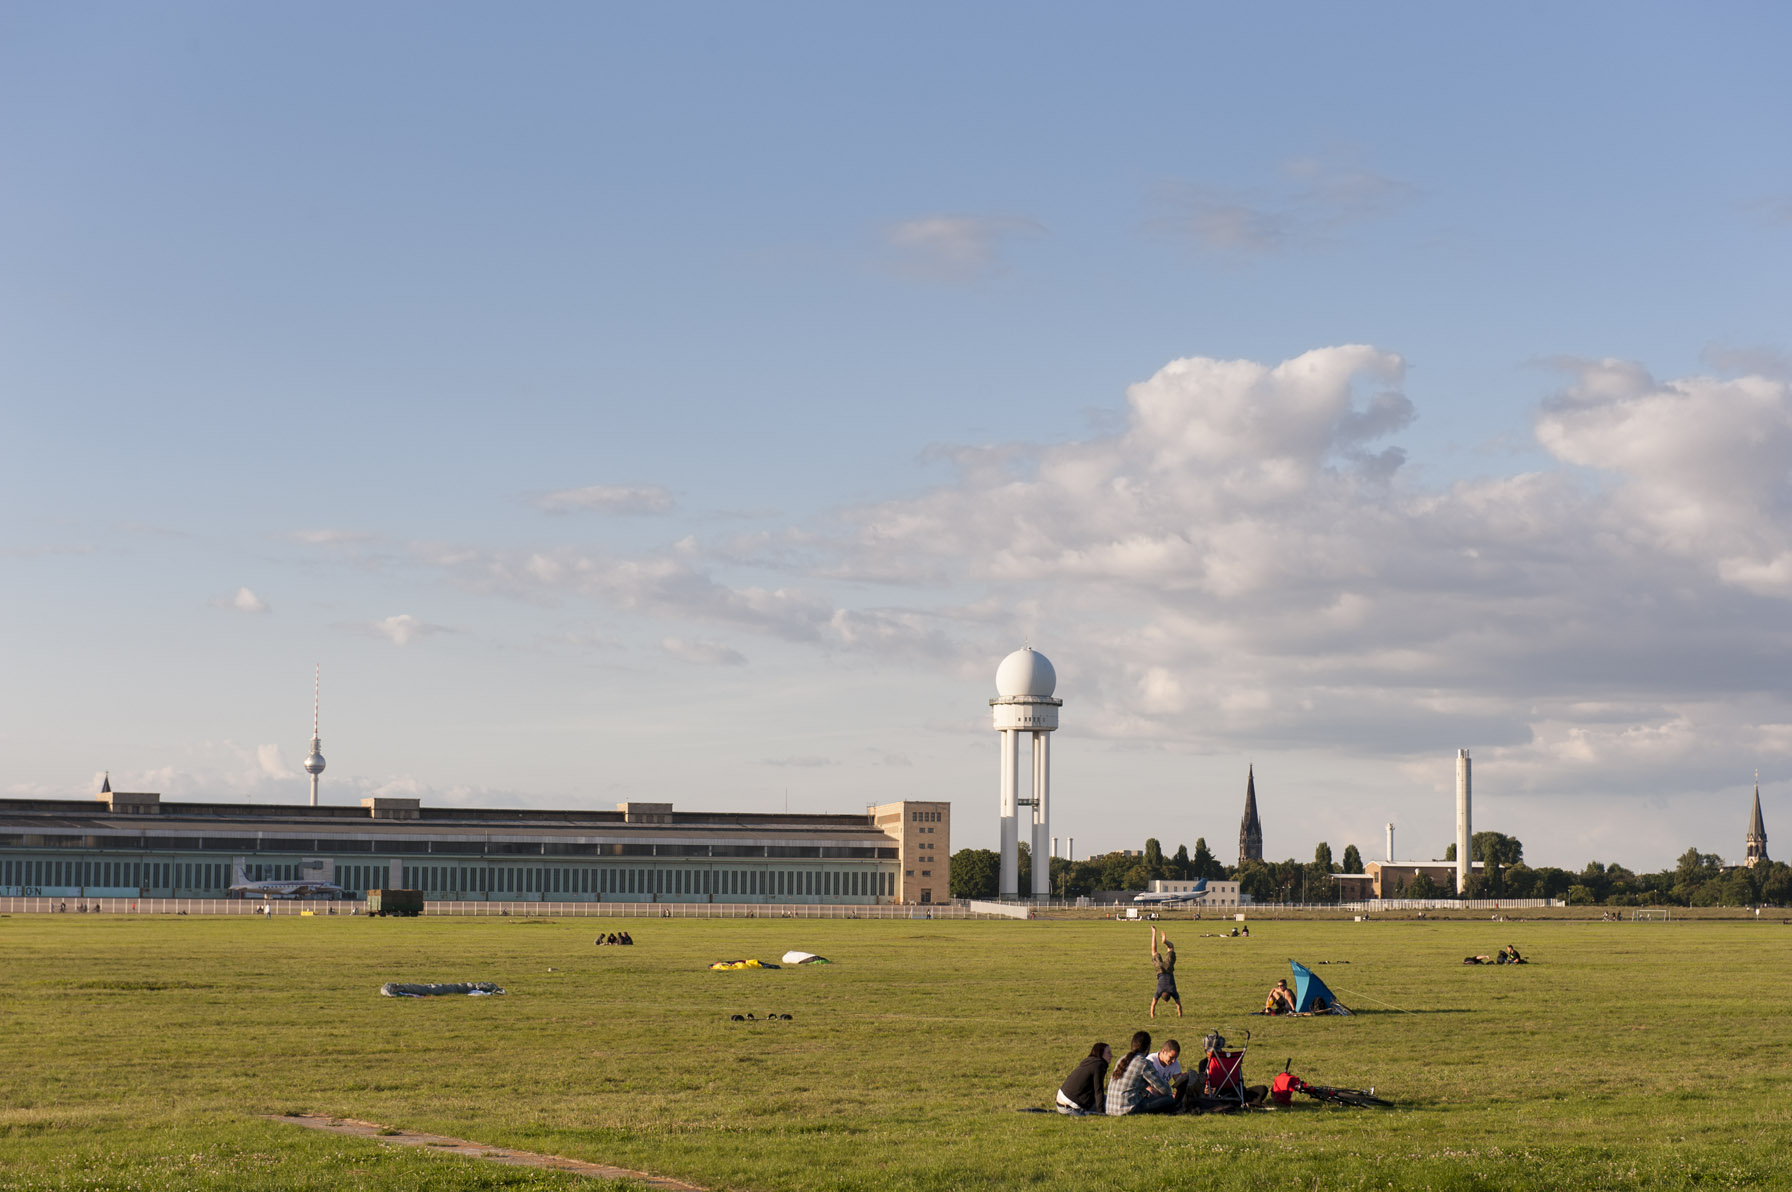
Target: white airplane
[[309, 887], [1170, 899]]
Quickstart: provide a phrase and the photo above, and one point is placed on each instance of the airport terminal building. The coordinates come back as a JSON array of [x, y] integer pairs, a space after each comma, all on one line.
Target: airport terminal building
[[129, 845]]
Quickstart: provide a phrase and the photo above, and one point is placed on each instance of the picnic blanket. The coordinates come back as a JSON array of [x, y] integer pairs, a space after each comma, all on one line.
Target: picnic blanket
[[470, 989]]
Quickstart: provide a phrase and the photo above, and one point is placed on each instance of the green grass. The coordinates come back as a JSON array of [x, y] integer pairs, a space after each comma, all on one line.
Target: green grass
[[137, 1052]]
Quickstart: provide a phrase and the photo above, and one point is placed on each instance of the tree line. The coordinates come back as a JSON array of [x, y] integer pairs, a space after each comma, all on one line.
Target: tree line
[[1697, 879]]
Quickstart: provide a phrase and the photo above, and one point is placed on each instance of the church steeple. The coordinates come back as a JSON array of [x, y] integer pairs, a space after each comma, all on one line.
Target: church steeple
[[1757, 832], [1250, 830]]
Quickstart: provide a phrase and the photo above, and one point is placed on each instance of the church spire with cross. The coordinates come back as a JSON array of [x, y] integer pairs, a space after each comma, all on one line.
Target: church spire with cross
[[1250, 830], [1757, 831]]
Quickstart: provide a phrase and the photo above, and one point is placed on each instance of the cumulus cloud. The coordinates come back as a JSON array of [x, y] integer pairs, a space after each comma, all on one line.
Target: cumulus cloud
[[954, 248], [702, 653], [1245, 561], [245, 601], [608, 498]]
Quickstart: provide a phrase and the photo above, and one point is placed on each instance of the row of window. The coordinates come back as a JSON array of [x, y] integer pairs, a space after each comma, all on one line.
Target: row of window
[[462, 846], [852, 883], [439, 879]]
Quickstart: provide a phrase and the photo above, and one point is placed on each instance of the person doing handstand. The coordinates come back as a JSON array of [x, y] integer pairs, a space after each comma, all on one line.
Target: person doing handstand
[[1165, 964], [1280, 999]]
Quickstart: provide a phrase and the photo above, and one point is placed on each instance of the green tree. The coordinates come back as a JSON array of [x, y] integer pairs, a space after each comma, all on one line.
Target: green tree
[[1154, 857], [1180, 867], [1254, 878], [1353, 860], [1496, 848], [1205, 863], [1026, 871], [975, 872], [1322, 857], [1422, 887]]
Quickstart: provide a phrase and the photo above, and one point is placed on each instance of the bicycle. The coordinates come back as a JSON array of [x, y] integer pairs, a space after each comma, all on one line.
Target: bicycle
[[1288, 1083]]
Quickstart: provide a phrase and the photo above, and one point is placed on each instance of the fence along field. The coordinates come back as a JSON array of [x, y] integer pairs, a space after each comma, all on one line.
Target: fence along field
[[139, 1051]]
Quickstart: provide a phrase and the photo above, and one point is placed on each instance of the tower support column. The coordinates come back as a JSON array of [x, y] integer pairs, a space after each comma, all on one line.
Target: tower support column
[[1009, 885], [1042, 818], [1465, 835]]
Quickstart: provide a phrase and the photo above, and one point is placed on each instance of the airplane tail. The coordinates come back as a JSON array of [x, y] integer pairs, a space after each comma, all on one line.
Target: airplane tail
[[237, 876]]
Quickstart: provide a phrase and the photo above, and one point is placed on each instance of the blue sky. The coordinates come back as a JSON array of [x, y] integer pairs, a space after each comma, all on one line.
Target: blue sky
[[696, 403]]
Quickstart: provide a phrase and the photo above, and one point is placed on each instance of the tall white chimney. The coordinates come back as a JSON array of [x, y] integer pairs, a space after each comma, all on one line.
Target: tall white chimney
[[1072, 849], [1054, 846], [1464, 830], [1390, 842]]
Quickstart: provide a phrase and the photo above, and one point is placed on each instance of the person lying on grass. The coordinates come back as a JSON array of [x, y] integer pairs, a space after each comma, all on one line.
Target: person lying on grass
[[1082, 1089], [1280, 999]]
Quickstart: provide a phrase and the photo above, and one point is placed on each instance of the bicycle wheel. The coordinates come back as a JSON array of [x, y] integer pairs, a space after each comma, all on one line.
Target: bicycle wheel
[[1360, 1099]]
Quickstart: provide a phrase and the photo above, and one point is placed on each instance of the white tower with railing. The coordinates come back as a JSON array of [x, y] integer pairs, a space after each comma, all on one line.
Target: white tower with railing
[[1024, 704], [314, 762]]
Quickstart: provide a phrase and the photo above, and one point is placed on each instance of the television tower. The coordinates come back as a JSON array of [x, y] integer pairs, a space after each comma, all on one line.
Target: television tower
[[314, 764]]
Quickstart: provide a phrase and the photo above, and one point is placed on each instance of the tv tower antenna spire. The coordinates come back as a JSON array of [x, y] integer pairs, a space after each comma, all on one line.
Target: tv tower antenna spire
[[314, 764]]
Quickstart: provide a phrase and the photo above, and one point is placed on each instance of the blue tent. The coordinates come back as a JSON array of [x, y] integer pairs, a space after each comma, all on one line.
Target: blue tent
[[1310, 994]]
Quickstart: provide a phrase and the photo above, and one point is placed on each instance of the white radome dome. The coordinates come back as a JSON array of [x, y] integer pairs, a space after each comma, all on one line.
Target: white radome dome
[[1026, 672]]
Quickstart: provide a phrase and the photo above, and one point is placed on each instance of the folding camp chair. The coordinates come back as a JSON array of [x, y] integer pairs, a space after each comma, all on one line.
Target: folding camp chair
[[1224, 1087]]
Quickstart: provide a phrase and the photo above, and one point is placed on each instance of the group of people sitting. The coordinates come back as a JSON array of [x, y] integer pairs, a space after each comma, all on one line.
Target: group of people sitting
[[615, 937], [1506, 955], [1147, 1081]]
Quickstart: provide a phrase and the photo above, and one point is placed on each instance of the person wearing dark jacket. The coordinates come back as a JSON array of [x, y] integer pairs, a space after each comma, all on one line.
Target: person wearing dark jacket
[[1082, 1089]]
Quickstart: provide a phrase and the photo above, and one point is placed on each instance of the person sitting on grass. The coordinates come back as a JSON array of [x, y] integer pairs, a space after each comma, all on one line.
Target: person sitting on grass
[[1509, 955], [1165, 964], [1164, 1075], [625, 938], [1127, 1091], [1081, 1090], [1280, 999]]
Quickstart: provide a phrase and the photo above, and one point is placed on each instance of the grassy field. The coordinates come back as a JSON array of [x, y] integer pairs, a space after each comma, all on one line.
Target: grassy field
[[138, 1052]]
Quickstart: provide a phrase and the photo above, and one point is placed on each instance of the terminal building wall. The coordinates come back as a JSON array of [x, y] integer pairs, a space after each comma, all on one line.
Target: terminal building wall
[[639, 853]]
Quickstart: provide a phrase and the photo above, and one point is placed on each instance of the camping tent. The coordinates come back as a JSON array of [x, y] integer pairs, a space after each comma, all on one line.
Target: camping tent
[[1310, 994]]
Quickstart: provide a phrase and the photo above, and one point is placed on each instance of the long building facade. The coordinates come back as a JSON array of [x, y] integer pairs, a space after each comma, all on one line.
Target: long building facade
[[133, 845]]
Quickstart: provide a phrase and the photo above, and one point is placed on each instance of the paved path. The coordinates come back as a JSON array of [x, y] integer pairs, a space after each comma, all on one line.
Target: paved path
[[474, 1150]]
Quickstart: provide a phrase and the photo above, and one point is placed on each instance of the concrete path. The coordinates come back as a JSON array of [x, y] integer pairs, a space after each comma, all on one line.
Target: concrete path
[[474, 1150]]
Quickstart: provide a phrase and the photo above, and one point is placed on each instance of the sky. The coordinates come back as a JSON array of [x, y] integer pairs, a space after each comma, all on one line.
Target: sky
[[695, 403]]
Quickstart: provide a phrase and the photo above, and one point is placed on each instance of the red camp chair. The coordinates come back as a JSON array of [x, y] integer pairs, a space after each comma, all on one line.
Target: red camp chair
[[1225, 1073]]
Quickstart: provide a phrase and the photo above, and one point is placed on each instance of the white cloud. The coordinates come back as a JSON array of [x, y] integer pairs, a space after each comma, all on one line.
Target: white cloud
[[1245, 562], [244, 601], [609, 498], [809, 762], [273, 762], [403, 629], [702, 653], [954, 248]]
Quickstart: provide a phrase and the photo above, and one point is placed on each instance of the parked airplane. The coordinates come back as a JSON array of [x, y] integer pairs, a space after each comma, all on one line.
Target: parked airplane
[[1171, 899], [315, 885]]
